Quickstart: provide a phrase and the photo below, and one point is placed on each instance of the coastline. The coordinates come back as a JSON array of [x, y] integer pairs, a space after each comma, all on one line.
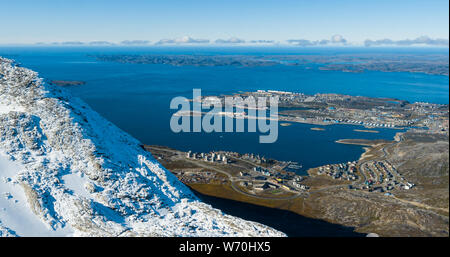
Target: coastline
[[324, 192], [298, 205], [367, 145], [361, 142]]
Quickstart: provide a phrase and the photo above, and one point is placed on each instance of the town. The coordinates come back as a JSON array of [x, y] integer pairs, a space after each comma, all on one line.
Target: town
[[343, 171], [327, 109], [382, 176], [248, 173], [374, 176], [254, 175]]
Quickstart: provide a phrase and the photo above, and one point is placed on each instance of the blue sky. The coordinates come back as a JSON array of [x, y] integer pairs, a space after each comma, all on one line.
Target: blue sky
[[28, 21]]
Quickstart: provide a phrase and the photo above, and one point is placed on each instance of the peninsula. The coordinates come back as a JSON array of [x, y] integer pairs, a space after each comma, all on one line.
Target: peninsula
[[396, 188], [436, 64], [330, 109]]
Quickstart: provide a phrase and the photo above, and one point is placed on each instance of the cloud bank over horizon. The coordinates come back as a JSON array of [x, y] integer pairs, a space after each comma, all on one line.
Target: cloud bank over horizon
[[423, 40], [336, 40], [263, 42], [135, 42], [233, 40], [182, 40]]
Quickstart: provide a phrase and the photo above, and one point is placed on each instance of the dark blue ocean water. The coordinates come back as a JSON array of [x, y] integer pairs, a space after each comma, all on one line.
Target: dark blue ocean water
[[136, 97]]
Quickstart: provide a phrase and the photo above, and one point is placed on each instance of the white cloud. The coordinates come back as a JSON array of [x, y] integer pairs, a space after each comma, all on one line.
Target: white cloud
[[335, 40], [233, 40], [182, 40]]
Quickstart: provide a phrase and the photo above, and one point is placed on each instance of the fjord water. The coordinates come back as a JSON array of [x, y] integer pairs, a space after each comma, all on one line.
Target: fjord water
[[136, 97]]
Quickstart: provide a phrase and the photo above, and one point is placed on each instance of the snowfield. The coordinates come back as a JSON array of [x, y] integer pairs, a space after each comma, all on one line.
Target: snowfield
[[66, 171]]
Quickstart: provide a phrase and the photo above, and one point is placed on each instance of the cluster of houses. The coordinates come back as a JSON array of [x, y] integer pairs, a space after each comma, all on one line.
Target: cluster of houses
[[275, 184], [208, 157], [343, 109], [265, 185], [262, 179], [382, 176], [254, 158], [198, 177], [296, 183], [342, 171], [262, 170]]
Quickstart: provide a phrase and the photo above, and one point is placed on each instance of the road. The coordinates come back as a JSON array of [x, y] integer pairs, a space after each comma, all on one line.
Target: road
[[230, 177]]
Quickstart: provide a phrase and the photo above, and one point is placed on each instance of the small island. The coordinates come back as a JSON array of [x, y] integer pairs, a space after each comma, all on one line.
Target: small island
[[363, 142], [366, 131], [67, 82]]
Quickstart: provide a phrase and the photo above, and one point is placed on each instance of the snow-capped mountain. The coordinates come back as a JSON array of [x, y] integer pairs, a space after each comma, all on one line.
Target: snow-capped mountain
[[66, 171]]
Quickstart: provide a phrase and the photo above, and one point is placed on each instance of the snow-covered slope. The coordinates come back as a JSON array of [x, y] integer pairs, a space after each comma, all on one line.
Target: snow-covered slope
[[65, 170]]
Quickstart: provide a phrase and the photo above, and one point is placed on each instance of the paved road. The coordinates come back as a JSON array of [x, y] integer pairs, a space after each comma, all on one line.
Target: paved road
[[362, 171]]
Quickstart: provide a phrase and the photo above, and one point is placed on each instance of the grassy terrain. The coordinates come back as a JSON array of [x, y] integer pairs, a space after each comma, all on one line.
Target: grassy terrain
[[225, 191]]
